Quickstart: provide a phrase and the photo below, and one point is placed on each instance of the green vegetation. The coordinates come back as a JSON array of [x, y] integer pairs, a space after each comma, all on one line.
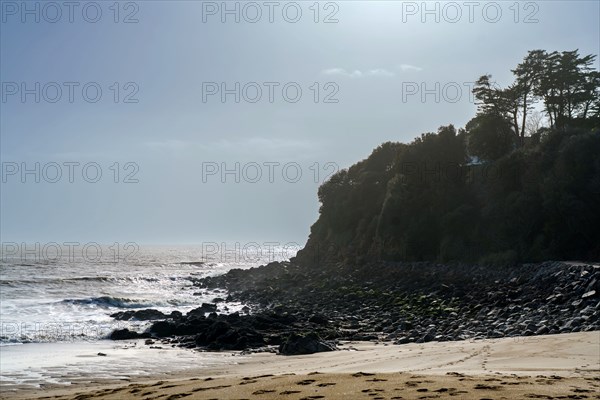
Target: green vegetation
[[496, 192]]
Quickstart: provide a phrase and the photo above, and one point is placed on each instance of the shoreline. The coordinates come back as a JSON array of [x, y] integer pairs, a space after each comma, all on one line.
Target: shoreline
[[567, 362]]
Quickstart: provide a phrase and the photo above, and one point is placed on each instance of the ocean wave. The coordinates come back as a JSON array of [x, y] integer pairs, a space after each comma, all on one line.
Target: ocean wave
[[60, 280], [110, 301]]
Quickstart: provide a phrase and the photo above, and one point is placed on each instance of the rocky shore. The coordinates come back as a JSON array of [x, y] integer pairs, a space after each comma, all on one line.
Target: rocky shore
[[300, 310]]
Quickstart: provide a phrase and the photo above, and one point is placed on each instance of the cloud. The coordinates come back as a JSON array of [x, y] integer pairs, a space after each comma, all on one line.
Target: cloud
[[357, 73], [408, 67], [380, 72], [343, 72]]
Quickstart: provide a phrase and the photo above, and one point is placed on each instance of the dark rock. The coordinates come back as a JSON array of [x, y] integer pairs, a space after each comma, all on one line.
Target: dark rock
[[402, 340], [140, 315], [304, 344], [318, 319], [162, 329], [542, 330], [203, 309], [123, 334]]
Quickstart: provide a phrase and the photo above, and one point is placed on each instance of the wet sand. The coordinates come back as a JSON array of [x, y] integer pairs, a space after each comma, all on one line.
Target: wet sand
[[565, 366]]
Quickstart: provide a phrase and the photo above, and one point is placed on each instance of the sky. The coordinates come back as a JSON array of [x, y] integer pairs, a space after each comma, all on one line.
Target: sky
[[184, 122]]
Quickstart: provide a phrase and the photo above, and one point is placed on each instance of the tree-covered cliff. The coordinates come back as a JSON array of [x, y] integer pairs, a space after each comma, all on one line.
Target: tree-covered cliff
[[497, 191]]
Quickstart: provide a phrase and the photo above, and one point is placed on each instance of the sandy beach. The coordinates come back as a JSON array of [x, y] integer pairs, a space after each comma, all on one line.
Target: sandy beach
[[551, 366]]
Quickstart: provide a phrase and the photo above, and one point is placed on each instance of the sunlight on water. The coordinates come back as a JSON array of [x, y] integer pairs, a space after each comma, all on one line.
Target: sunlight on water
[[45, 298]]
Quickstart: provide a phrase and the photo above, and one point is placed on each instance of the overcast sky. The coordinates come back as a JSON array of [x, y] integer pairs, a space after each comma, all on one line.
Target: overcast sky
[[161, 129]]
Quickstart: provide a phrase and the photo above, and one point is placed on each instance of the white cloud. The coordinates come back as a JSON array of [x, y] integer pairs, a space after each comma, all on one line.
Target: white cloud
[[380, 72], [408, 67], [357, 73], [343, 72]]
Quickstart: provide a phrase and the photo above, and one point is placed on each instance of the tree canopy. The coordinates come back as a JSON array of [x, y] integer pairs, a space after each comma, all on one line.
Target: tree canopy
[[522, 200]]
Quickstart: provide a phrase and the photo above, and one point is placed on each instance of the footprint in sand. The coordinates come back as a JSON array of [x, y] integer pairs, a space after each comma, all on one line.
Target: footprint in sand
[[202, 389], [372, 390], [178, 396], [359, 374], [306, 382], [458, 392], [251, 378], [262, 391], [486, 387]]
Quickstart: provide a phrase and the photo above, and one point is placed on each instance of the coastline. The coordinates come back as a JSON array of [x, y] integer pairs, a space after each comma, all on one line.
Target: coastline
[[549, 365]]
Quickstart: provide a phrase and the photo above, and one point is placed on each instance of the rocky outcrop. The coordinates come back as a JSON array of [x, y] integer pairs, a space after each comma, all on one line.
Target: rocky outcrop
[[304, 344], [400, 302], [143, 315], [421, 302]]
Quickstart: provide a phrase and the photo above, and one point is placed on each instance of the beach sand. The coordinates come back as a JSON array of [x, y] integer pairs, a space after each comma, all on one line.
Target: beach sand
[[563, 366]]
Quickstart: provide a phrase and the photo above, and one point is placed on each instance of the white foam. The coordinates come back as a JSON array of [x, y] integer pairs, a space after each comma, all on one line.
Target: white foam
[[36, 364]]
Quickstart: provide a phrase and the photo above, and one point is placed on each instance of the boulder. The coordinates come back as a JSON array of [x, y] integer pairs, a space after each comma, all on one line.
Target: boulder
[[304, 344], [140, 315], [124, 334], [203, 309], [318, 319], [162, 329]]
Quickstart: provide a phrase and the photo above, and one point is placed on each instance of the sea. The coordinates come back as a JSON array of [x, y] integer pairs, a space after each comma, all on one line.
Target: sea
[[56, 301]]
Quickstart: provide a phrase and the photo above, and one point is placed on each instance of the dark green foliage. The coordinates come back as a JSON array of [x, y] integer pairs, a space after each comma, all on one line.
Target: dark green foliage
[[423, 202], [489, 137], [564, 82], [525, 199]]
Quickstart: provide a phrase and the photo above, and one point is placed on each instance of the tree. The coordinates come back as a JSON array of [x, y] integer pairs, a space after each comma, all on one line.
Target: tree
[[565, 82], [568, 86], [489, 137], [534, 123], [499, 103], [527, 74]]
